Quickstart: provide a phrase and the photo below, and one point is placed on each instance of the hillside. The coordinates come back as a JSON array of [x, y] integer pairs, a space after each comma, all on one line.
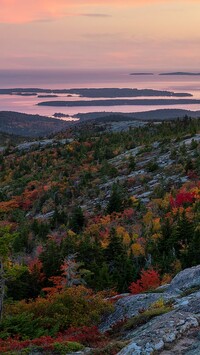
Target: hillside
[[29, 125], [10, 139], [92, 222]]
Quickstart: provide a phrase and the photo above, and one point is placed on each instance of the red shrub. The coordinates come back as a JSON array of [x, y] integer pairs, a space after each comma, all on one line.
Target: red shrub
[[182, 198], [149, 280], [89, 336]]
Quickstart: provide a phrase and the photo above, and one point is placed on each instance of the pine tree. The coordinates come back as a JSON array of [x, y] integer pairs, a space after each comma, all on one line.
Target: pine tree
[[103, 278], [77, 220], [51, 259], [192, 255], [164, 252], [115, 203], [121, 267]]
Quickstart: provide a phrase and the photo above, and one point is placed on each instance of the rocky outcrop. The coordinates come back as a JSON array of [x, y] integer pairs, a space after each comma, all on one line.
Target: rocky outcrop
[[162, 331], [158, 332], [130, 306], [186, 279]]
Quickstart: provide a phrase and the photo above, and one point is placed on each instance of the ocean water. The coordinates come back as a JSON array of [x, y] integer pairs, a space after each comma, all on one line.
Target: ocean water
[[89, 79]]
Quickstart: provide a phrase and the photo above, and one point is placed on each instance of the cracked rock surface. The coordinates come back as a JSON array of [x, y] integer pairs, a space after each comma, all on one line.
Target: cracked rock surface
[[175, 332]]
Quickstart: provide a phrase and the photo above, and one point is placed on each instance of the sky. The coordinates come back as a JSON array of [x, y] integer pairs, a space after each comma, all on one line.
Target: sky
[[100, 34]]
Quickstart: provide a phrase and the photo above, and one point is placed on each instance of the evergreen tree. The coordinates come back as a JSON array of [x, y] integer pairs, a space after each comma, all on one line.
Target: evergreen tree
[[90, 253], [164, 252], [77, 220], [121, 267], [115, 203], [59, 217], [103, 279], [186, 229], [51, 259], [193, 254]]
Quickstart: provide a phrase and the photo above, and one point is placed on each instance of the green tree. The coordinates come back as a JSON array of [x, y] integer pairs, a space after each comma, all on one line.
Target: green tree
[[116, 200], [121, 267], [77, 220], [192, 257], [51, 259]]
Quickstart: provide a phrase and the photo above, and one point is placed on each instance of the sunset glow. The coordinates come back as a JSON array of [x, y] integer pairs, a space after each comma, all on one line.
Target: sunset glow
[[88, 34]]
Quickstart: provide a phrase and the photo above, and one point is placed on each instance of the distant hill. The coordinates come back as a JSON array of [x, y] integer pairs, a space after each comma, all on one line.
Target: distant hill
[[29, 125], [152, 115]]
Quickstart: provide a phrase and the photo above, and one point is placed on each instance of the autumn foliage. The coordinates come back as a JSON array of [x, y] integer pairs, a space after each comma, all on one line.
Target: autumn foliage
[[87, 336], [183, 197], [149, 280], [69, 239]]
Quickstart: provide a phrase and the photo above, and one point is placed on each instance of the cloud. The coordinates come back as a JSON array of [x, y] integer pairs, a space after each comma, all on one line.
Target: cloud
[[23, 11], [95, 15]]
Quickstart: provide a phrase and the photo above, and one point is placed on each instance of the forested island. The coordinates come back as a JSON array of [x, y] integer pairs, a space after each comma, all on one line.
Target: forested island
[[120, 102], [94, 92]]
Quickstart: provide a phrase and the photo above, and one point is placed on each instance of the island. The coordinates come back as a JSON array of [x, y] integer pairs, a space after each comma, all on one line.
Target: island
[[120, 102], [181, 73], [95, 92], [141, 73], [60, 115], [47, 96]]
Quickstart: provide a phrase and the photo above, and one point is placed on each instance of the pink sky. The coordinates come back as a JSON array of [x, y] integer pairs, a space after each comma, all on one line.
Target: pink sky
[[90, 34]]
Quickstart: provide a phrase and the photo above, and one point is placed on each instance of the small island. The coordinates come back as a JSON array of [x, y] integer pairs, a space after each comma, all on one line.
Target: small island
[[60, 115], [181, 73], [47, 96], [142, 74]]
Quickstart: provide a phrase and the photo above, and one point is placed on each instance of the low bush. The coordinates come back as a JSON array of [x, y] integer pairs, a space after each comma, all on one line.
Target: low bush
[[144, 317], [74, 307]]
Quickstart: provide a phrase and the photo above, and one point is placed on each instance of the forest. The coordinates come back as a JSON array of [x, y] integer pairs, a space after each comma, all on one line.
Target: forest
[[81, 223]]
